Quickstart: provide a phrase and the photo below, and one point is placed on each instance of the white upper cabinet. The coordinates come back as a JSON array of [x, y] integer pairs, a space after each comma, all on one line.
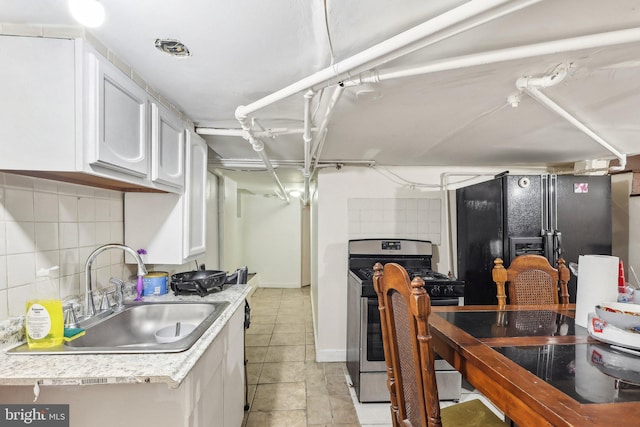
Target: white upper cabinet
[[195, 196], [77, 117], [167, 147], [171, 228], [37, 111], [116, 124]]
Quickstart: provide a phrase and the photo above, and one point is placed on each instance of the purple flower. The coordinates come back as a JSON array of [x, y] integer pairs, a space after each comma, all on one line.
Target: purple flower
[[142, 251]]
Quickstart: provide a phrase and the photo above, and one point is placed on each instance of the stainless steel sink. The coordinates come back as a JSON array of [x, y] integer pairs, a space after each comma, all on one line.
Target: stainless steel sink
[[134, 329]]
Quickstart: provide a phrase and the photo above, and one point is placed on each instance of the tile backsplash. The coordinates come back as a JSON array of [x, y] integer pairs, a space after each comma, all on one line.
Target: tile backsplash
[[406, 218], [46, 223]]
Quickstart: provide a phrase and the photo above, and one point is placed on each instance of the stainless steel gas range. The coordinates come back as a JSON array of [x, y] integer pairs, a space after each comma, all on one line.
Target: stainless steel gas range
[[365, 354]]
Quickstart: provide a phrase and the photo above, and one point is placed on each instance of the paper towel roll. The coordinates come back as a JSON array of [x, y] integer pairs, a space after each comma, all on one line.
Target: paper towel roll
[[597, 283]]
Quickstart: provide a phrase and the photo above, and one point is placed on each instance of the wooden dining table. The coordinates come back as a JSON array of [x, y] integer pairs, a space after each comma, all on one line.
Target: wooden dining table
[[537, 366]]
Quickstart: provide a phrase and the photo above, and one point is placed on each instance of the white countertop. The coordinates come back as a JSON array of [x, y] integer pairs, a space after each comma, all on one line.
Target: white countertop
[[84, 369]]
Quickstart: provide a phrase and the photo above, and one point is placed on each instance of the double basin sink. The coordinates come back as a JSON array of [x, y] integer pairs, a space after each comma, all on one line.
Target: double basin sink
[[140, 328]]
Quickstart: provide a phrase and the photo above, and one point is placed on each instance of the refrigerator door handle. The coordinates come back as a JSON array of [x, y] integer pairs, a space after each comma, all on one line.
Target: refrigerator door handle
[[549, 246], [557, 245]]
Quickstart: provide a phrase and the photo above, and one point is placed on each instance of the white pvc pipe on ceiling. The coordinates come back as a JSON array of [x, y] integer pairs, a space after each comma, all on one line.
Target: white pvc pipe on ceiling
[[313, 151], [258, 147], [501, 55], [392, 48], [268, 133], [551, 105], [318, 143], [306, 136]]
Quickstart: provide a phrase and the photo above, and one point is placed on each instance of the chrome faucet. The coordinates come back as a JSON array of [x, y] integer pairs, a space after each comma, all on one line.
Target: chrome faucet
[[90, 309]]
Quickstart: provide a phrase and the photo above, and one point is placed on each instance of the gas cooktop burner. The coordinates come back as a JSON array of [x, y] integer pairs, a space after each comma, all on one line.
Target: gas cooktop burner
[[426, 274]]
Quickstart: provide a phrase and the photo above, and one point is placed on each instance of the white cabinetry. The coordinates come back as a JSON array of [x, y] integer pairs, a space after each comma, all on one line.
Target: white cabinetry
[[67, 113], [167, 147], [171, 228], [116, 118], [211, 395], [195, 224], [233, 379]]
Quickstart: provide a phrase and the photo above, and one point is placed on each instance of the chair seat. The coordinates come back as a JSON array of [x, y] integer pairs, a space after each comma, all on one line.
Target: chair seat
[[473, 413]]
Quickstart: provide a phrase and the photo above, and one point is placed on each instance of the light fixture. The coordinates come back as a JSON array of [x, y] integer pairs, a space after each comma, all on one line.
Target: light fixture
[[295, 193], [172, 47], [89, 13]]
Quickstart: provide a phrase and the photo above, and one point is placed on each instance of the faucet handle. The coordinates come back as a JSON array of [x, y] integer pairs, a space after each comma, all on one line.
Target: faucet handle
[[90, 309], [70, 319], [118, 292], [104, 302]]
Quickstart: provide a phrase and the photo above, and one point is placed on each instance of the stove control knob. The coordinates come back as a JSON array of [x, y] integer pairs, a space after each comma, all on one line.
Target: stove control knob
[[435, 291], [448, 291]]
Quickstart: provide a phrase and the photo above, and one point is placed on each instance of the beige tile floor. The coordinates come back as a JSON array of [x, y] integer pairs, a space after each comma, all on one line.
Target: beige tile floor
[[286, 386]]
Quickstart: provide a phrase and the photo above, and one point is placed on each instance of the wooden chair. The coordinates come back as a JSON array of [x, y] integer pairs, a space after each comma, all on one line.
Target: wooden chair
[[404, 310], [532, 280]]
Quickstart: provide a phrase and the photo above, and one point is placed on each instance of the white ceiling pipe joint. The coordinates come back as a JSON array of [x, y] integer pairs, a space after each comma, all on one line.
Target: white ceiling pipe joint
[[256, 144], [258, 147], [544, 81], [370, 76]]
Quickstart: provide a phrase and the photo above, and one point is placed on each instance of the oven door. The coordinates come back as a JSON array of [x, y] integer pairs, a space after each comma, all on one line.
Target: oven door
[[371, 347]]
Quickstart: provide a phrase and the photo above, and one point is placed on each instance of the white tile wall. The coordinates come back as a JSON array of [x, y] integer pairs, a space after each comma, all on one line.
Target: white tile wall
[[398, 218], [47, 223]]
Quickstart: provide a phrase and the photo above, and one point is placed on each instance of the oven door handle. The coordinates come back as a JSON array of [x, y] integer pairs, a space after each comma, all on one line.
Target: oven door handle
[[364, 316], [445, 301]]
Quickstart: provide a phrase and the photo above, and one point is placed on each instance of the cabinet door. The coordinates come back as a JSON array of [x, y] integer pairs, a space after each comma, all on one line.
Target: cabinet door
[[234, 380], [195, 197], [117, 118], [37, 110], [167, 147]]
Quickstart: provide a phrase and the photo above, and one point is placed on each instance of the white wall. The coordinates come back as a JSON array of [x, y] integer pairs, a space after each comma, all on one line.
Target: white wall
[[46, 223], [330, 226], [212, 259], [314, 259], [634, 237], [231, 227], [271, 231], [626, 224]]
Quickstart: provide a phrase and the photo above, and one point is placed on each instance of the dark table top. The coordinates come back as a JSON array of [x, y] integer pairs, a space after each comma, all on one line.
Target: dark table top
[[569, 376]]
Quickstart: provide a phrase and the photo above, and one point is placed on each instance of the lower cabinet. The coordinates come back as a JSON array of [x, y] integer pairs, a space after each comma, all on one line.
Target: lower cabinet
[[211, 395]]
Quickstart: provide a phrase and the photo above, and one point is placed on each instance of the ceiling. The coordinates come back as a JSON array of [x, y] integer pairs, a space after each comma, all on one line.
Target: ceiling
[[244, 51]]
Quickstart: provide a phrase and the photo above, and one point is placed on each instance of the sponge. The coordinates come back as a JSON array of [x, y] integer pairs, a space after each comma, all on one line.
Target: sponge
[[71, 334]]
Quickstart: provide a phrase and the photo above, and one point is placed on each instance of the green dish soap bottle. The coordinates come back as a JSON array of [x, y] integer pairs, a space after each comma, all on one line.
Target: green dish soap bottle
[[44, 320]]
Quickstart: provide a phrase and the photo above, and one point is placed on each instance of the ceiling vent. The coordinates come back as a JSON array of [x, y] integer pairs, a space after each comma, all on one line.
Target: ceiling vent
[[172, 47]]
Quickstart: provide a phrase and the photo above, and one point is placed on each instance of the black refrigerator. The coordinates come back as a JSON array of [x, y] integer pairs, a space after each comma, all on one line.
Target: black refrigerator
[[551, 215]]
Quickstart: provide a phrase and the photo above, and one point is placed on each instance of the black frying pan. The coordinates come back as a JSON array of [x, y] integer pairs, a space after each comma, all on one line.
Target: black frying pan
[[201, 282]]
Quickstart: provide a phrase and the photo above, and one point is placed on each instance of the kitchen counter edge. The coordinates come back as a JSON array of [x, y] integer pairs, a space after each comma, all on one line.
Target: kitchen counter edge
[[89, 369]]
